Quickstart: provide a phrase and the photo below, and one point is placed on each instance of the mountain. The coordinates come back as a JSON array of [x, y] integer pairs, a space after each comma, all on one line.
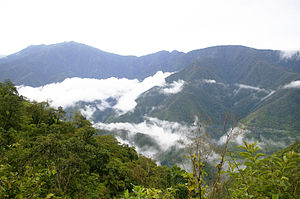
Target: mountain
[[280, 112], [246, 82], [42, 64], [234, 80]]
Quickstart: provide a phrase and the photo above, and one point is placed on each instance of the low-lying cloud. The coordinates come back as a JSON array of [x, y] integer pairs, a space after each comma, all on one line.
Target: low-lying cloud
[[293, 84], [289, 54], [236, 136], [164, 133], [174, 87], [244, 86], [210, 81], [269, 95], [88, 112], [73, 90]]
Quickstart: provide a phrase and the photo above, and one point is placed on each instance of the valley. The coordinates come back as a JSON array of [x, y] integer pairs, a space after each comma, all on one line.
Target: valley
[[144, 100], [113, 113]]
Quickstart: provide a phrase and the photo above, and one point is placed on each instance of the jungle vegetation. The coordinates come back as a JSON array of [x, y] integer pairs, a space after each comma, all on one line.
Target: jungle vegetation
[[43, 154]]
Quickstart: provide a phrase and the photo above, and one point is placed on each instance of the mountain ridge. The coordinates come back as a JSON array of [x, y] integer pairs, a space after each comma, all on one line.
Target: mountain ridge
[[220, 80], [38, 65]]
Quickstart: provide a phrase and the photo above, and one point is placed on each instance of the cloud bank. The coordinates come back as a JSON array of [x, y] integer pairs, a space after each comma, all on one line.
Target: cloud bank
[[293, 84], [88, 112], [174, 87], [244, 86], [164, 133], [290, 54], [210, 81], [72, 90], [236, 136]]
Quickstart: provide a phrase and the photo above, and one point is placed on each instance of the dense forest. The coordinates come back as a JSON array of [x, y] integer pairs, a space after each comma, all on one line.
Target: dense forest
[[44, 154]]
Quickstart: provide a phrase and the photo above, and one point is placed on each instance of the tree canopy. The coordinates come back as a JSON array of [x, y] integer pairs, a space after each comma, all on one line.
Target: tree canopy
[[45, 155]]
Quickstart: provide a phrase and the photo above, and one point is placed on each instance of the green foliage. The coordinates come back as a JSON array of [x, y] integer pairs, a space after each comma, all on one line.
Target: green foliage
[[280, 112], [11, 109], [29, 184], [229, 67], [43, 155], [139, 192], [252, 176], [257, 177]]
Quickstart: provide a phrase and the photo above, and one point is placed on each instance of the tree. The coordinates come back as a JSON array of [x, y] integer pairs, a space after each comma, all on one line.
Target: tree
[[11, 108], [268, 177]]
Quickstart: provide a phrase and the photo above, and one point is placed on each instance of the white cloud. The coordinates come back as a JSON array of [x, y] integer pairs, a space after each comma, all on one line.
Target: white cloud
[[293, 84], [174, 87], [267, 96], [288, 54], [103, 105], [88, 112], [236, 135], [127, 101], [239, 135], [210, 81], [165, 134], [244, 86], [266, 143], [72, 90]]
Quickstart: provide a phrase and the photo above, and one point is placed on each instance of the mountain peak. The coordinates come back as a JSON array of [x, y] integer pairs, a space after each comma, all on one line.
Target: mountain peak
[[41, 64]]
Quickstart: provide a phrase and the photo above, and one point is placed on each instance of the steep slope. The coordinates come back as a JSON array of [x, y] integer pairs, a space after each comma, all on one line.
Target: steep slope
[[218, 85], [217, 81], [280, 112], [39, 65], [241, 84], [43, 64]]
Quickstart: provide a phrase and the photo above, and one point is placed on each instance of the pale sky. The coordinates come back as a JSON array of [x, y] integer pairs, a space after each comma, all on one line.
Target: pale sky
[[139, 27]]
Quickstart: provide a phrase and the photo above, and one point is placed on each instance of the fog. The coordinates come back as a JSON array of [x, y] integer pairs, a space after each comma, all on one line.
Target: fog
[[210, 81], [72, 90], [293, 84], [244, 86], [165, 133], [174, 87], [289, 54], [152, 137], [236, 134], [125, 91]]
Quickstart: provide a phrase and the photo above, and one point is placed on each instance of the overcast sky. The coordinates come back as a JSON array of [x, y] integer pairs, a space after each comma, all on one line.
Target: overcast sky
[[139, 27]]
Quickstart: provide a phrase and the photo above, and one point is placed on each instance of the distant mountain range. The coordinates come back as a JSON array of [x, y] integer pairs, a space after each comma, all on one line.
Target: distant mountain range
[[43, 64], [247, 82]]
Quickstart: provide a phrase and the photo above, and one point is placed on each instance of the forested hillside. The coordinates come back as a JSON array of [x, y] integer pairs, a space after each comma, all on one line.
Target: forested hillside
[[247, 82], [43, 155], [46, 155], [236, 80]]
